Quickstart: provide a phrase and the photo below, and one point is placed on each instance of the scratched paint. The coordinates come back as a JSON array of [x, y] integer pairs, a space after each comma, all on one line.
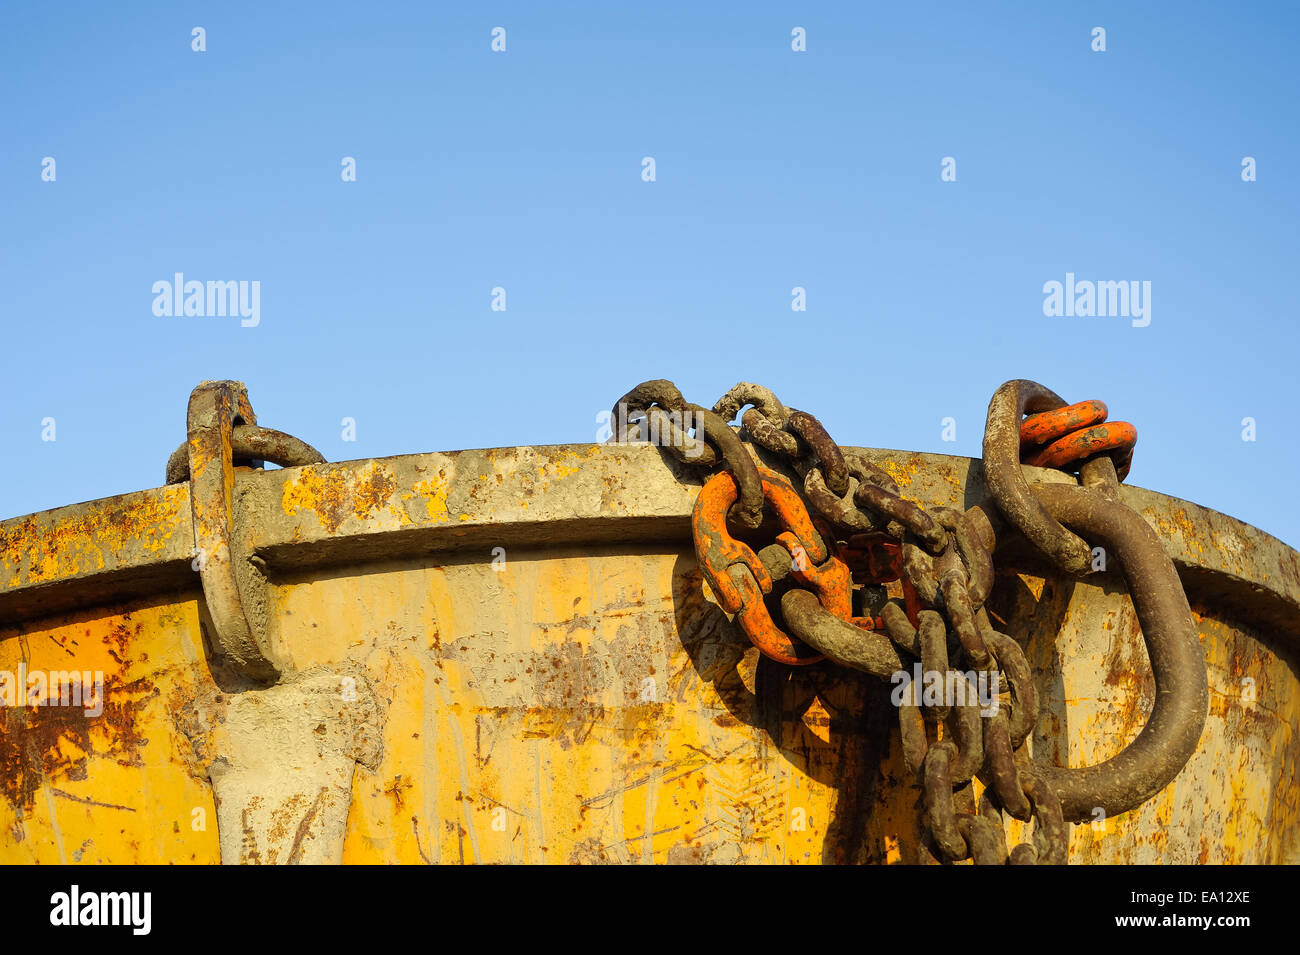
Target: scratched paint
[[569, 670], [1237, 799], [587, 703], [36, 549], [595, 708], [115, 787]]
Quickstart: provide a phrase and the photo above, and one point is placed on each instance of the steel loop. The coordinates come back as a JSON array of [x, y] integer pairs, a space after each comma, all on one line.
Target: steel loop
[[1011, 661], [961, 615], [911, 732], [1062, 438], [987, 841], [767, 435], [251, 442], [720, 554], [1007, 483], [710, 427], [765, 403], [932, 637], [944, 557], [1051, 833], [1003, 776], [964, 718], [829, 458], [1172, 730], [838, 509], [920, 524], [836, 638], [976, 560], [937, 798]]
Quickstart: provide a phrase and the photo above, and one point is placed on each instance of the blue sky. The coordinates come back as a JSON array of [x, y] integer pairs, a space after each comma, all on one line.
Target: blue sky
[[522, 170]]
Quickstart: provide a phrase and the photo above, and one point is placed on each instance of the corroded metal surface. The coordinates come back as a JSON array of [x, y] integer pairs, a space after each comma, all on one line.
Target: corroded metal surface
[[1169, 735], [233, 584], [579, 699], [250, 443]]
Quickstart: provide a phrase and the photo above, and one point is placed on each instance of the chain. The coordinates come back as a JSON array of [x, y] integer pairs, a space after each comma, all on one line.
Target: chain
[[862, 534]]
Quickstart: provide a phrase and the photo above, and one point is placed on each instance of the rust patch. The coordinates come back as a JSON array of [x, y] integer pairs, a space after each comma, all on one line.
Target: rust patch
[[295, 851], [333, 495], [397, 790], [41, 743], [82, 538]]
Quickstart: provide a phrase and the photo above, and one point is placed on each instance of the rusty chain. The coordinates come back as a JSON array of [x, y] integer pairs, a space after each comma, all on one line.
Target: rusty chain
[[862, 532]]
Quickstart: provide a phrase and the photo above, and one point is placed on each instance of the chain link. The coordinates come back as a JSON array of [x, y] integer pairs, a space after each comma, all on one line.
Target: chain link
[[860, 530]]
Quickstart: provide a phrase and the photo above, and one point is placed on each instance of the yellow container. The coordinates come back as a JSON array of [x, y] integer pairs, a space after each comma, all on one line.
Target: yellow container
[[507, 656]]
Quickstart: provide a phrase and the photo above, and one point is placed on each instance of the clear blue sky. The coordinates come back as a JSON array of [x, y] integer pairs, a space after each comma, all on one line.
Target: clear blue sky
[[522, 170]]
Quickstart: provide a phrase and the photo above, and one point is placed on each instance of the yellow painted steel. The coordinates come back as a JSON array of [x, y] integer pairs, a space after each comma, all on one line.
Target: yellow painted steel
[[594, 708], [116, 788], [578, 701]]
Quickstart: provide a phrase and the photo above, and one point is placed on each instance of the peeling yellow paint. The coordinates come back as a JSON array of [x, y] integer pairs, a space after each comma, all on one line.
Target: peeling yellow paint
[[435, 499], [54, 545], [333, 494], [595, 707]]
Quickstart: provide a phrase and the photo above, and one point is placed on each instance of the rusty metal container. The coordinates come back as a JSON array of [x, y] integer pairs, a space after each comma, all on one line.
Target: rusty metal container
[[507, 656]]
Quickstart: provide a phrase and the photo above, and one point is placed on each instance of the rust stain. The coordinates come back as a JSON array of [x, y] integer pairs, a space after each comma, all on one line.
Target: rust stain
[[87, 537], [44, 743], [398, 789], [333, 495], [295, 851]]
